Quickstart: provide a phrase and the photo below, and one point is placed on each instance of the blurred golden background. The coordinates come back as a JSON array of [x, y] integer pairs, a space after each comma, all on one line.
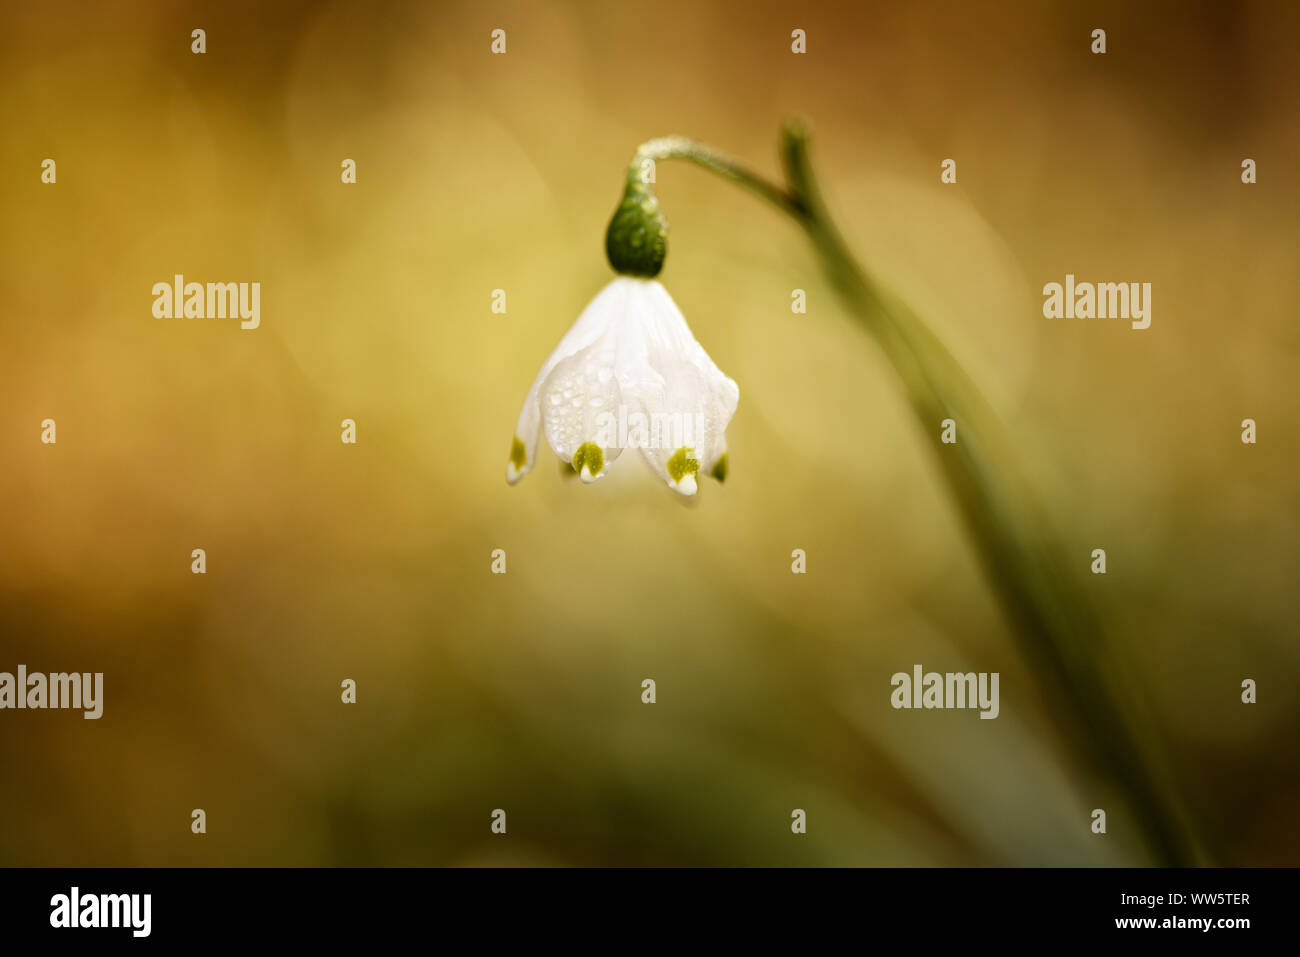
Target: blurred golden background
[[477, 172]]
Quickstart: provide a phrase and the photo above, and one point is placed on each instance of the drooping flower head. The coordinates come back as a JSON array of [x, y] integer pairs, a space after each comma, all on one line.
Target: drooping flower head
[[630, 374]]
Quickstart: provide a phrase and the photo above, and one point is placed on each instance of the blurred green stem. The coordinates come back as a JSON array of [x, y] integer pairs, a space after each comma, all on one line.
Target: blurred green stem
[[1055, 619]]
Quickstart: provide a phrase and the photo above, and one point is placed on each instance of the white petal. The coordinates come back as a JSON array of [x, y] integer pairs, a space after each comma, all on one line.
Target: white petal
[[581, 398], [687, 400], [688, 417], [629, 355], [594, 322]]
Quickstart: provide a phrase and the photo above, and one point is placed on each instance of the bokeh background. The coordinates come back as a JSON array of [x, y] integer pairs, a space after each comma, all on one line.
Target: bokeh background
[[477, 172]]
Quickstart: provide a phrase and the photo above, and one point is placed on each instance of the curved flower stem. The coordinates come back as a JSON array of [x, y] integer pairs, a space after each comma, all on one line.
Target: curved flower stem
[[1055, 620], [679, 147]]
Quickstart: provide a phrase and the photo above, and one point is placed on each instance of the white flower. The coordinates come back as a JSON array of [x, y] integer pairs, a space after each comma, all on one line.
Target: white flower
[[629, 374]]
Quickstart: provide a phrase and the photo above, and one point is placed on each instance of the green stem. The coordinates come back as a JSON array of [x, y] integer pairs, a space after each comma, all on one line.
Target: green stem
[[679, 147], [1055, 620]]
